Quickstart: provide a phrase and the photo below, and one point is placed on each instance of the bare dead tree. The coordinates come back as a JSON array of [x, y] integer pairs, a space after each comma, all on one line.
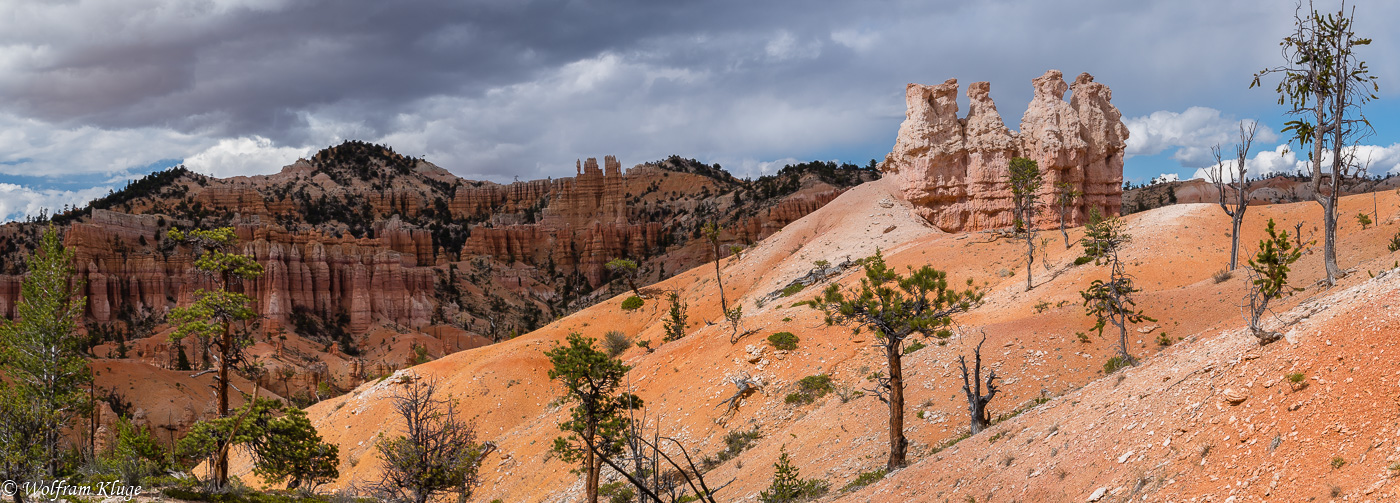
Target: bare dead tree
[[1231, 184], [1065, 195], [654, 480], [439, 452], [744, 385], [972, 387]]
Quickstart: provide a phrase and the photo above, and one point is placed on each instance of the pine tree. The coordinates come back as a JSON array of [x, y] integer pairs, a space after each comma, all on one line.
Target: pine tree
[[1111, 302], [788, 485], [596, 426], [675, 319], [628, 270], [1268, 271], [214, 312], [896, 307], [41, 356]]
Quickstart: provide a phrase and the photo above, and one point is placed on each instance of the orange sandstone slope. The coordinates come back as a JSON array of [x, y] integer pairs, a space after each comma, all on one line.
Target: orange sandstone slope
[[1091, 422]]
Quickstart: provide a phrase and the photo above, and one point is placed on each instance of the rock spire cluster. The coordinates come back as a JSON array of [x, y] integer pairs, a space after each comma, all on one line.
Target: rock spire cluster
[[954, 169]]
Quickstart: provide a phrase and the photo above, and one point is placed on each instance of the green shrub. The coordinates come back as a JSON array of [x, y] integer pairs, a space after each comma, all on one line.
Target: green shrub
[[809, 389], [793, 289], [1338, 462], [1394, 245], [1115, 363], [1164, 340], [783, 340], [632, 303], [914, 346], [616, 492], [1083, 260], [137, 454]]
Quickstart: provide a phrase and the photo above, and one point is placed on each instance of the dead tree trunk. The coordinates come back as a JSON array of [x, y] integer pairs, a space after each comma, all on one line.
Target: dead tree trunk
[[972, 387], [1231, 186]]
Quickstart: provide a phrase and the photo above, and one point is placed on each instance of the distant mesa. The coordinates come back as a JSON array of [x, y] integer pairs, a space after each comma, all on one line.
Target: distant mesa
[[954, 170]]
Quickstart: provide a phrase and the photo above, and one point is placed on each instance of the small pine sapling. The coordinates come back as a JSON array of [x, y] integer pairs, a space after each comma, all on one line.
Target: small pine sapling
[[1268, 274]]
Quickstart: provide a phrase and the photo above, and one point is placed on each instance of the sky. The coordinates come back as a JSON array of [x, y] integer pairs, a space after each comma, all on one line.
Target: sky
[[94, 93]]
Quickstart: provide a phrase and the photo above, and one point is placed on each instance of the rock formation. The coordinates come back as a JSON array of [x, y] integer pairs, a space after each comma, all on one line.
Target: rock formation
[[954, 169], [360, 232]]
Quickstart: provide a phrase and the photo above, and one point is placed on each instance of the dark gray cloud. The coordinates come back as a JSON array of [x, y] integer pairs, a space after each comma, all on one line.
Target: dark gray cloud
[[496, 89]]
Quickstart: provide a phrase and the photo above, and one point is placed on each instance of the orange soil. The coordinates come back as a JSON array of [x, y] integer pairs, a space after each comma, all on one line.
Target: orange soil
[[1060, 451]]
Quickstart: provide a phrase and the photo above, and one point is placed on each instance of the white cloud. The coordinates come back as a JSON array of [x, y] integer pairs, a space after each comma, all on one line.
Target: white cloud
[[856, 40], [31, 147], [17, 202], [754, 168], [244, 156], [1377, 160], [1164, 178], [1192, 133], [785, 46]]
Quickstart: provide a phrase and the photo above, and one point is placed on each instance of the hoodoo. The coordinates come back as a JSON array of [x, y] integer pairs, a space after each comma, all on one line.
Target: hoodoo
[[954, 170]]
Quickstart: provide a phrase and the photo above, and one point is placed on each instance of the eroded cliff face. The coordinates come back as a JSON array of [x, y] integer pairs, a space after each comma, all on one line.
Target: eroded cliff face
[[955, 169], [365, 236]]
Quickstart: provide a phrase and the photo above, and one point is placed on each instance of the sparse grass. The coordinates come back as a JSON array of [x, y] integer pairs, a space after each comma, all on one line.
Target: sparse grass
[[865, 479], [950, 442], [1205, 450], [615, 342], [1297, 380], [998, 436], [847, 393], [632, 303], [783, 340], [1222, 275], [1041, 306], [1006, 461], [735, 442], [1336, 491], [1338, 462]]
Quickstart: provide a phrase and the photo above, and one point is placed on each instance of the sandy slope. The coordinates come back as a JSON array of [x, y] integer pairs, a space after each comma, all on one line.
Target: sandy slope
[[1173, 256]]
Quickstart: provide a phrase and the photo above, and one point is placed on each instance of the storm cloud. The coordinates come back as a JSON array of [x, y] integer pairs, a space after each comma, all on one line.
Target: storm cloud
[[504, 89]]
